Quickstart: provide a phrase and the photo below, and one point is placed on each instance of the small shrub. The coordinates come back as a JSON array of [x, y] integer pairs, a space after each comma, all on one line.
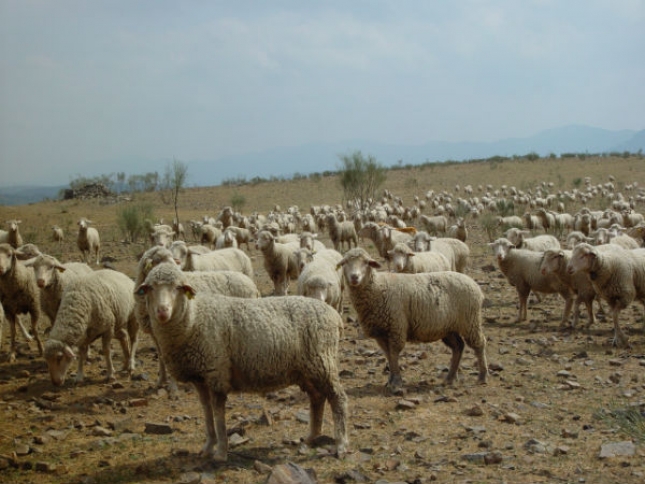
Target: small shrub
[[237, 201], [131, 220]]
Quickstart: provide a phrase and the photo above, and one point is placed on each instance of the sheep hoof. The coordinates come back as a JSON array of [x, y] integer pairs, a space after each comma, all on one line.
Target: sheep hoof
[[219, 456]]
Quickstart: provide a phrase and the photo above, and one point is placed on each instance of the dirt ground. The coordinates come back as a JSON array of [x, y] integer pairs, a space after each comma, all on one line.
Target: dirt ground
[[544, 416]]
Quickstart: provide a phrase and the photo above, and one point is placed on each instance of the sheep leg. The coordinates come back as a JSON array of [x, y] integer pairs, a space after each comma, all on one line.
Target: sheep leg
[[568, 303], [589, 305], [523, 297], [316, 411], [620, 339], [220, 427], [394, 381], [205, 398], [107, 354], [124, 341], [456, 344], [338, 403], [23, 330], [12, 331], [478, 344], [83, 351]]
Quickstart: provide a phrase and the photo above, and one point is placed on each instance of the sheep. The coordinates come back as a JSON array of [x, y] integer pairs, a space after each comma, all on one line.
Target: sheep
[[341, 232], [458, 231], [309, 240], [179, 250], [396, 308], [242, 235], [521, 267], [227, 283], [97, 305], [161, 235], [393, 236], [228, 259], [279, 261], [407, 261], [12, 236], [58, 235], [178, 230], [456, 251], [319, 278], [434, 225], [52, 278], [555, 262], [509, 221], [19, 295], [223, 345], [521, 239], [616, 274], [88, 240], [372, 232], [576, 237], [227, 239], [210, 235]]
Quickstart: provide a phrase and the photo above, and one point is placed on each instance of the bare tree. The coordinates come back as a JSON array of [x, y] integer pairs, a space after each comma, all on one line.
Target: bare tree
[[174, 181]]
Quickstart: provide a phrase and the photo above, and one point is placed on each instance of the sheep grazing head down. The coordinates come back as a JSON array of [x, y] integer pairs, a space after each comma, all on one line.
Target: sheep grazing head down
[[357, 265], [59, 357], [163, 290]]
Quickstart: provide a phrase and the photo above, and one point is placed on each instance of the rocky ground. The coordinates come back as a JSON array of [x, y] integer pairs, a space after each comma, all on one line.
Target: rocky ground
[[558, 407]]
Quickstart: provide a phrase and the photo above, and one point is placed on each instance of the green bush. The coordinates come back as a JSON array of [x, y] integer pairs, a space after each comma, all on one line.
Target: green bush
[[131, 220]]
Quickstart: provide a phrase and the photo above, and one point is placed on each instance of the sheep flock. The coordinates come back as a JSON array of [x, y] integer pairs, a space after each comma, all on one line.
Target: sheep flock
[[245, 303]]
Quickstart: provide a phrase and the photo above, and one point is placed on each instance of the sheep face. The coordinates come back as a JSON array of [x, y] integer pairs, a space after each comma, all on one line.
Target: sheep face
[[164, 294], [400, 257], [582, 259], [421, 242], [59, 357], [303, 257], [501, 248], [44, 267], [357, 265], [551, 261], [161, 238], [7, 258], [264, 240]]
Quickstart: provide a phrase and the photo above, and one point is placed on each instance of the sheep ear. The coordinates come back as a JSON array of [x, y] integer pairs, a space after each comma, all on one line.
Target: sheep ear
[[189, 291], [69, 353], [374, 264], [142, 290], [60, 268]]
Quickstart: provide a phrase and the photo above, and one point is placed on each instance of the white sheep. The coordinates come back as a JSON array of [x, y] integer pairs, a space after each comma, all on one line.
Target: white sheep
[[522, 239], [209, 235], [179, 250], [341, 233], [226, 240], [88, 240], [405, 260], [279, 261], [521, 267], [161, 235], [223, 345], [58, 235], [243, 236], [319, 277], [458, 230], [396, 308], [555, 262], [19, 295], [309, 240], [228, 259], [456, 251], [437, 224], [52, 278], [97, 305], [12, 236], [226, 283], [617, 275]]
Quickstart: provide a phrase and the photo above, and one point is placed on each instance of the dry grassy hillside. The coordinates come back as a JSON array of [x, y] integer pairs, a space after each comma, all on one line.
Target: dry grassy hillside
[[554, 399]]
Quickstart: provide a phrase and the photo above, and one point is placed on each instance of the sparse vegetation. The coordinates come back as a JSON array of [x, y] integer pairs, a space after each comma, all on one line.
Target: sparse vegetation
[[131, 220], [360, 177]]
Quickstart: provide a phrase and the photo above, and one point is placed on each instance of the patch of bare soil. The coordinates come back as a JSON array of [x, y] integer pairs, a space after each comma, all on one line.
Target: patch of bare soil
[[542, 417]]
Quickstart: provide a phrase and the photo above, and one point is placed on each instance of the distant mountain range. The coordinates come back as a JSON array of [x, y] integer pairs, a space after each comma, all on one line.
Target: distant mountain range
[[321, 157]]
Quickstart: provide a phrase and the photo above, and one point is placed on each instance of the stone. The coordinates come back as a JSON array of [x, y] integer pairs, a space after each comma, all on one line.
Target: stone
[[157, 428], [615, 449]]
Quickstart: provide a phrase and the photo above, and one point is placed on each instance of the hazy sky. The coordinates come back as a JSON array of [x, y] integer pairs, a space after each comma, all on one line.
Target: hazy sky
[[85, 84]]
